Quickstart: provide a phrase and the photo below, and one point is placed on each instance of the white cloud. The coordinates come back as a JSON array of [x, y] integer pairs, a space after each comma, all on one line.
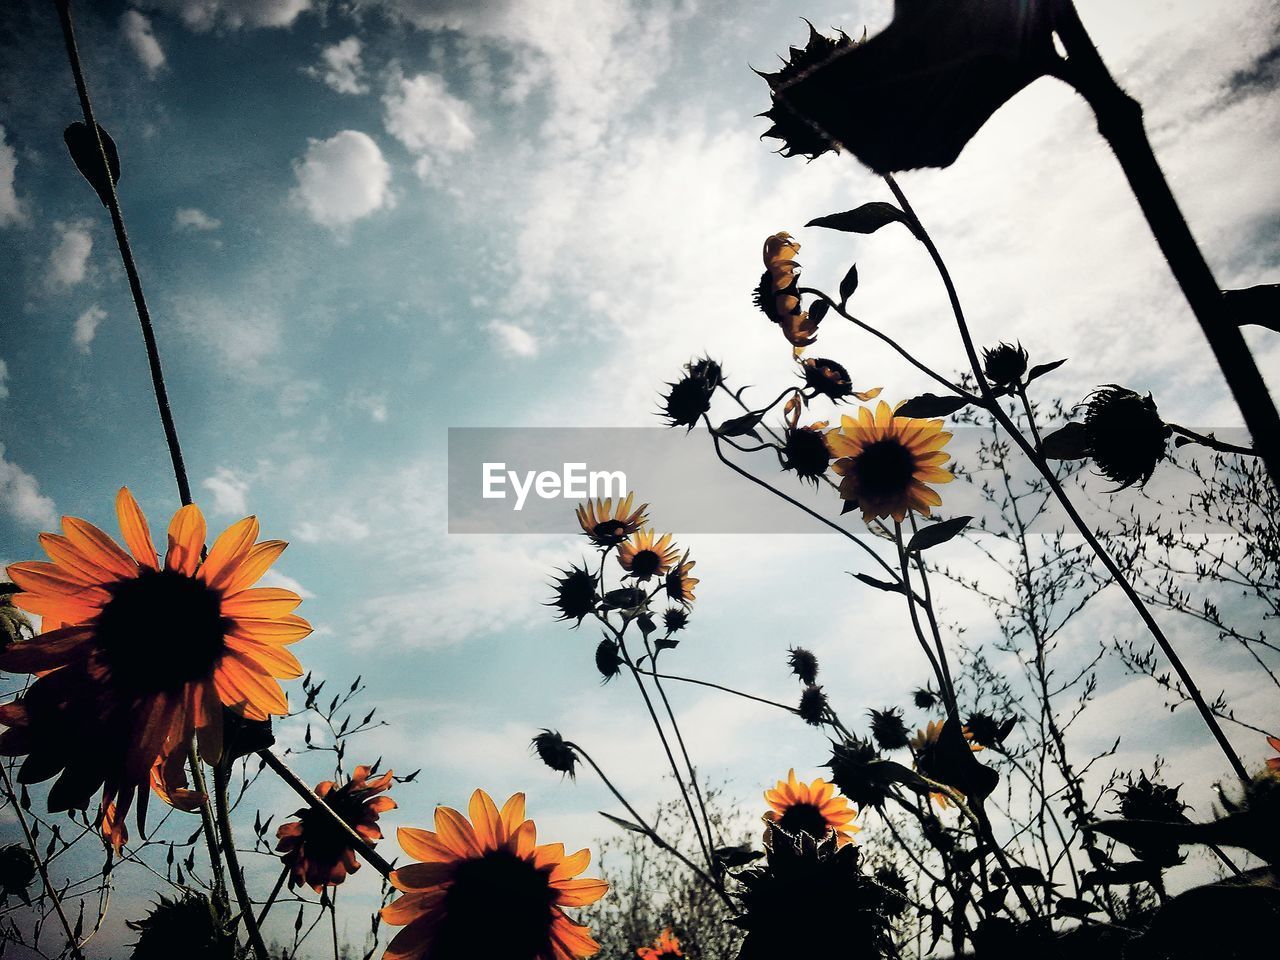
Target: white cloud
[[427, 119], [373, 404], [334, 528], [342, 179], [11, 211], [69, 259], [191, 218], [274, 578], [86, 326], [4, 380], [229, 491], [136, 30], [21, 497], [341, 67], [514, 340], [233, 14], [242, 337]]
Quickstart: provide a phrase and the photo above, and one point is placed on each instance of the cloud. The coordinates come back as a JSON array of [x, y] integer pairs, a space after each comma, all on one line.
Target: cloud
[[190, 218], [335, 528], [11, 210], [374, 404], [229, 491], [427, 119], [341, 67], [514, 340], [136, 30], [86, 326], [4, 380], [274, 578], [342, 179], [201, 15], [21, 497], [69, 259], [241, 336]]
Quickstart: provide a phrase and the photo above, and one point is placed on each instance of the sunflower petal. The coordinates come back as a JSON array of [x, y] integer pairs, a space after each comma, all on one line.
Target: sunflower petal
[[228, 552], [133, 526], [186, 540]]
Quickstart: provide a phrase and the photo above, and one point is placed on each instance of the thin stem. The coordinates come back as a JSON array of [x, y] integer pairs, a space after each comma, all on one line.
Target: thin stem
[[1208, 440], [223, 809], [209, 828], [716, 686], [72, 944], [275, 892], [332, 893]]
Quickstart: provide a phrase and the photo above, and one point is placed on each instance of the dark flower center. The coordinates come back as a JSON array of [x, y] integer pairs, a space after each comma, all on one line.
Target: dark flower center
[[161, 630], [885, 468], [645, 564], [324, 844], [497, 906], [609, 531], [806, 818]]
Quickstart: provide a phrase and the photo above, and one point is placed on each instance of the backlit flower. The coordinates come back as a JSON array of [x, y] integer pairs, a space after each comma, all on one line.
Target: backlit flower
[[666, 947], [1124, 434], [679, 585], [777, 294], [575, 594], [1004, 364], [813, 807], [803, 664], [136, 657], [648, 554], [607, 525], [316, 852], [886, 462], [805, 451], [926, 747], [485, 888]]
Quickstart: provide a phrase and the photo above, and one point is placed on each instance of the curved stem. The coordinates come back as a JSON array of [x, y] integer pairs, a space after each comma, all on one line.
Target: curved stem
[[716, 686], [253, 933], [1208, 440], [209, 829], [275, 892]]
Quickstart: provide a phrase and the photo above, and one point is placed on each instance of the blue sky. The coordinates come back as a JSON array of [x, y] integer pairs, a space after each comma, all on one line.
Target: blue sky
[[359, 224]]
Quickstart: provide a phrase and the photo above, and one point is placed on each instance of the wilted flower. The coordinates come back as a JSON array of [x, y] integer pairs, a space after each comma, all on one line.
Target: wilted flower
[[555, 752], [886, 462], [805, 451], [666, 947], [485, 888], [1125, 436], [648, 554], [857, 770], [813, 705], [1146, 799], [607, 525], [316, 852], [895, 890], [1004, 364], [803, 664], [137, 657], [798, 134], [811, 891], [679, 585], [827, 378], [888, 729], [814, 808], [675, 618], [575, 594], [685, 403], [706, 371], [17, 870], [186, 926], [608, 660], [778, 295]]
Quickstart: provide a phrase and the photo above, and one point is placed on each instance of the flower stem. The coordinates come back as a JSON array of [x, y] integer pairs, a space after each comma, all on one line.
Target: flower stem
[[1208, 440], [209, 830], [222, 807], [275, 892]]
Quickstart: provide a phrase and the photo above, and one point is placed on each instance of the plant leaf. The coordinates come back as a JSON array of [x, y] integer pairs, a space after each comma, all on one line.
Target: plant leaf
[[849, 284], [736, 427], [1040, 369], [936, 533], [867, 218], [88, 160], [1258, 305], [1070, 442], [930, 405], [818, 310], [624, 824], [885, 585]]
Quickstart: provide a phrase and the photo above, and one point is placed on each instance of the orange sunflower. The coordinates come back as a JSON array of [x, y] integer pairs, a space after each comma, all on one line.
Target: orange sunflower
[[135, 657], [648, 554], [315, 851], [813, 808], [666, 947], [886, 462], [485, 888], [679, 584], [607, 525]]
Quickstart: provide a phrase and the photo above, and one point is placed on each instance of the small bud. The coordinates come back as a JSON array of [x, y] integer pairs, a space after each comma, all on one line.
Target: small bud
[[608, 661], [803, 664], [1004, 364], [813, 705], [887, 728], [555, 752]]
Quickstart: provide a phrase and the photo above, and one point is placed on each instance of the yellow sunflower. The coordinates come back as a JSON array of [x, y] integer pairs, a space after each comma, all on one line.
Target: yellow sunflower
[[136, 657], [813, 808], [607, 525], [924, 747], [485, 888], [648, 554], [886, 462], [679, 584], [666, 947]]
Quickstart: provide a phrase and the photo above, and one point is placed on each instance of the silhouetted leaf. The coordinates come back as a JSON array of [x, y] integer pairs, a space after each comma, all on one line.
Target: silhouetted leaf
[[867, 218], [849, 284], [818, 310], [930, 405], [1070, 442], [1040, 369], [1121, 874], [738, 426], [955, 764], [884, 585], [624, 824], [1075, 907], [241, 737], [847, 506], [1258, 305], [737, 856], [83, 147], [936, 533]]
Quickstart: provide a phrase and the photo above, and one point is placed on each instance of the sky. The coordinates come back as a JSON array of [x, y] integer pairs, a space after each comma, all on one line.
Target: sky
[[361, 224]]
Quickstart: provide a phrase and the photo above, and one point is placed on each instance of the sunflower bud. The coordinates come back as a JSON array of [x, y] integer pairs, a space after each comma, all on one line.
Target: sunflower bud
[[894, 887], [555, 752], [688, 399], [803, 664], [1145, 799], [813, 705], [799, 135], [185, 927], [888, 729], [17, 870], [924, 698], [1004, 364], [805, 451], [707, 371], [856, 768], [985, 730], [827, 378], [608, 661], [675, 618], [575, 594], [1125, 436], [14, 625]]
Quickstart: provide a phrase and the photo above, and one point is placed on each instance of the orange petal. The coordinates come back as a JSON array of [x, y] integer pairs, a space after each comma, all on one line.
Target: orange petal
[[275, 659], [47, 651], [287, 629], [98, 547], [186, 540], [52, 580], [571, 866], [486, 821], [423, 845], [228, 552], [456, 833], [415, 877], [261, 602], [66, 555], [259, 558], [133, 525], [578, 893], [263, 691]]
